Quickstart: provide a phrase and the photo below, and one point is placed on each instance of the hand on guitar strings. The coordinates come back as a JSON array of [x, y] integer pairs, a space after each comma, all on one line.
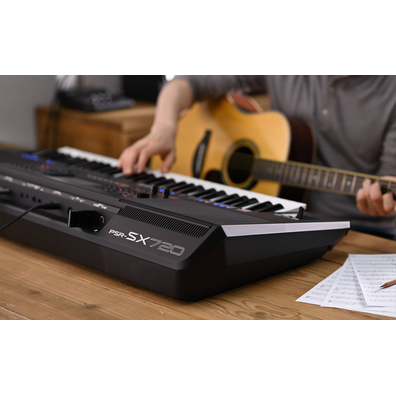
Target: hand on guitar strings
[[370, 199]]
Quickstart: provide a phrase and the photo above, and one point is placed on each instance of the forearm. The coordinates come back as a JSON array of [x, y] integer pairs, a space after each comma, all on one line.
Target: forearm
[[175, 97]]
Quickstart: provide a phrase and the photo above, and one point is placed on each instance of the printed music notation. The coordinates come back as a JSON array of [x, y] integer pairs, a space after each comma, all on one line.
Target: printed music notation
[[372, 272], [343, 290]]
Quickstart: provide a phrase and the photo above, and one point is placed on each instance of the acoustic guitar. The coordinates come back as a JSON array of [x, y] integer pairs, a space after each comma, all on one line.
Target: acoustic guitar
[[232, 141]]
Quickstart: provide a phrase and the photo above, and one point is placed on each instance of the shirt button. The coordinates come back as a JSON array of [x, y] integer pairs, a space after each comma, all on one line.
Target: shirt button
[[331, 89], [325, 112]]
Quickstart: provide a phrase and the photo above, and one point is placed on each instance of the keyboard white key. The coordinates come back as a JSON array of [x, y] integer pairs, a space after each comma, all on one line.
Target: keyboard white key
[[288, 206], [75, 153]]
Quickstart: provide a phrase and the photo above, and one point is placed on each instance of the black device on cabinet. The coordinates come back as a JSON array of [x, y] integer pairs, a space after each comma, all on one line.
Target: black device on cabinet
[[144, 88]]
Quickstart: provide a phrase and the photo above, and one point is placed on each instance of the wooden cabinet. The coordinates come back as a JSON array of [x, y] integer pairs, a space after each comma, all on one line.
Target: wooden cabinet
[[106, 133]]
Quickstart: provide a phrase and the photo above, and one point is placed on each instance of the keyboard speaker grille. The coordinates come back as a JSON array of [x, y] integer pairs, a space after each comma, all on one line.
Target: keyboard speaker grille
[[164, 221]]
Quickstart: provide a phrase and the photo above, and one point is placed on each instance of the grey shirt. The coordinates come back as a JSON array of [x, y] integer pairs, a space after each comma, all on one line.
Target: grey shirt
[[354, 118]]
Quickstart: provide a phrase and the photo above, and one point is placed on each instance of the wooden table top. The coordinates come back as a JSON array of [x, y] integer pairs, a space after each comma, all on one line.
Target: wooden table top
[[38, 285]]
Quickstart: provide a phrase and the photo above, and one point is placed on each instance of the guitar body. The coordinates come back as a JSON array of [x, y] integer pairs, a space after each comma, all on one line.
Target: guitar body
[[218, 141]]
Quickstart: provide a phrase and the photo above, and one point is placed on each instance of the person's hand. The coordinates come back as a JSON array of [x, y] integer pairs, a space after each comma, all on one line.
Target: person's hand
[[174, 98], [140, 152], [158, 142], [371, 201]]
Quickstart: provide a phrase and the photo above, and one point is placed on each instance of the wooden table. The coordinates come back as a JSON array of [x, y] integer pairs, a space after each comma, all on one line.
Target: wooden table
[[37, 285]]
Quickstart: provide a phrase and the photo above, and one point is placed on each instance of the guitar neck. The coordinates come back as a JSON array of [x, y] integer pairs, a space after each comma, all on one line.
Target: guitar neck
[[315, 177]]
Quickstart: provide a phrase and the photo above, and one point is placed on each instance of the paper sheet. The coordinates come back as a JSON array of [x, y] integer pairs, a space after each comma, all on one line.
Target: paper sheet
[[372, 271], [342, 290], [317, 295], [346, 293]]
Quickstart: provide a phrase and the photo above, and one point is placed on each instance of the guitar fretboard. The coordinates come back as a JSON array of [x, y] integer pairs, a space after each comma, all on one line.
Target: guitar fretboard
[[315, 177]]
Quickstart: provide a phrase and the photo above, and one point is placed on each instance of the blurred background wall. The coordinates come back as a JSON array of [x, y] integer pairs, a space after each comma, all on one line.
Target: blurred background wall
[[20, 95]]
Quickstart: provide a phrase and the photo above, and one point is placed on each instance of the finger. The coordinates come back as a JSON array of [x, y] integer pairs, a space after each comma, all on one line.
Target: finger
[[144, 156], [388, 202], [361, 202], [128, 162], [376, 200], [367, 191], [168, 162], [129, 158]]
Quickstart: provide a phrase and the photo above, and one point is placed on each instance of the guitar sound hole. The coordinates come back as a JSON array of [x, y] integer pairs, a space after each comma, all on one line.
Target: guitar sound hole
[[240, 165]]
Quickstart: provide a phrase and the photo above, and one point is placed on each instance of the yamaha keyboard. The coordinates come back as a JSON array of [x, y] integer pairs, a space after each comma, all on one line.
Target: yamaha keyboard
[[179, 236]]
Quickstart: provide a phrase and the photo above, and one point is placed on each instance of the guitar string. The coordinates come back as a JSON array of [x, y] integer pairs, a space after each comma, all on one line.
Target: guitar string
[[246, 160], [242, 161], [250, 163]]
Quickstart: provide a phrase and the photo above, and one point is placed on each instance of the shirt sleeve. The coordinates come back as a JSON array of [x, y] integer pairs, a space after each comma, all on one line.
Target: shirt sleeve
[[205, 87]]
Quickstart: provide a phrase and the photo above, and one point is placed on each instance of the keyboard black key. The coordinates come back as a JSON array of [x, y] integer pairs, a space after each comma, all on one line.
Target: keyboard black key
[[258, 207], [167, 182], [202, 192], [50, 154], [176, 186], [196, 190], [136, 177], [250, 202], [99, 168], [93, 165], [105, 169], [170, 185], [241, 203], [59, 157], [148, 179], [231, 199], [114, 171], [158, 182], [155, 181], [45, 153], [218, 195], [82, 164], [187, 189], [209, 195], [182, 188], [273, 208], [227, 198], [72, 161]]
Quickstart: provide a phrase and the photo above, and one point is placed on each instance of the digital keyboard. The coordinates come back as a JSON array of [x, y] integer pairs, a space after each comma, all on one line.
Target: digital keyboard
[[250, 200], [176, 235]]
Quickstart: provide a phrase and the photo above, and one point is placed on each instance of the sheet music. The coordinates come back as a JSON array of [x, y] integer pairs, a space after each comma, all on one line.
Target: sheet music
[[346, 293], [372, 271], [317, 295]]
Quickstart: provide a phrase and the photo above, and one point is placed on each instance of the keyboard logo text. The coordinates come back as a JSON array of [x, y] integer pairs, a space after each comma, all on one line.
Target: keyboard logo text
[[150, 242]]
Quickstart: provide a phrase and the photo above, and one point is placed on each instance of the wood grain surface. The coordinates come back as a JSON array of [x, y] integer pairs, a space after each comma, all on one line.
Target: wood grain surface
[[38, 285]]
